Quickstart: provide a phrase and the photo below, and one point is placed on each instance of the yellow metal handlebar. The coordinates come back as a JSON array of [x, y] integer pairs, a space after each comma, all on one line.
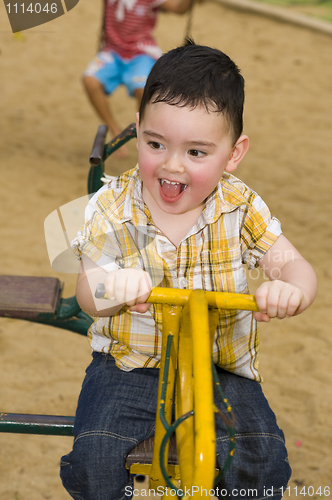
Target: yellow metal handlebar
[[218, 300]]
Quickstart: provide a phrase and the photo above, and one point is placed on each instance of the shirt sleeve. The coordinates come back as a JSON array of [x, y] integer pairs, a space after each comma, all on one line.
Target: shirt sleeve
[[259, 230], [97, 239]]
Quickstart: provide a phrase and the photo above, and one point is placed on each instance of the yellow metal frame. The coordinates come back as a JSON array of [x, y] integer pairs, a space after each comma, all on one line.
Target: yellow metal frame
[[190, 318]]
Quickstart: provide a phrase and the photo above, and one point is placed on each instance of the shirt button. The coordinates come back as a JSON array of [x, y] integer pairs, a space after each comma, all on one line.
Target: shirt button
[[182, 282]]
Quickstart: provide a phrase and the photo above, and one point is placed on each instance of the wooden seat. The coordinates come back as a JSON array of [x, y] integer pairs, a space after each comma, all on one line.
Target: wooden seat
[[29, 297]]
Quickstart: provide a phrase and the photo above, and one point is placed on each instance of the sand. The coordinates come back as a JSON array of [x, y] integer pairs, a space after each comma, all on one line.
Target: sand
[[47, 130]]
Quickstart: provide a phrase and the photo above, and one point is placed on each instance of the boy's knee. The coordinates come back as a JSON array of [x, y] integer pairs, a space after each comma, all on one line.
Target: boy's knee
[[96, 463], [91, 84], [72, 476], [260, 462]]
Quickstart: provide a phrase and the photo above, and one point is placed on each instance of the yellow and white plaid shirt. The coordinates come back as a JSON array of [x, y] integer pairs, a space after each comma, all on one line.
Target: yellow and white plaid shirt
[[234, 228]]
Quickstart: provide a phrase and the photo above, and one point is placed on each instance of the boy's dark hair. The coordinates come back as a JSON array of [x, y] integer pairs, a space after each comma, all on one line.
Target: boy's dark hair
[[195, 75]]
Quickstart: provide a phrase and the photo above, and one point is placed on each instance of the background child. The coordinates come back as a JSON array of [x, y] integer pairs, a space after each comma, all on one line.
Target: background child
[[180, 219], [128, 52]]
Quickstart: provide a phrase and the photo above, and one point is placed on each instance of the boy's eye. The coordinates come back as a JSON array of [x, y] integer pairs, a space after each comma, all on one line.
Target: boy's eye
[[155, 145], [196, 153]]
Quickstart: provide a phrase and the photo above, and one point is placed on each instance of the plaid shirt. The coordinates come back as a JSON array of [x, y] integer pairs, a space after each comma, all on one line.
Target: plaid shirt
[[234, 228]]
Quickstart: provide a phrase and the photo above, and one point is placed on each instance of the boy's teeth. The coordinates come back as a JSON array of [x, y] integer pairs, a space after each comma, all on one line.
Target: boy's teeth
[[174, 183], [168, 182]]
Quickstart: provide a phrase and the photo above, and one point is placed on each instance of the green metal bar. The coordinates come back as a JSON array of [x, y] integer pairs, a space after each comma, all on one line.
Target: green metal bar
[[118, 141], [101, 151], [68, 316], [50, 425], [78, 325], [97, 160], [171, 429], [229, 422], [165, 378], [67, 308], [94, 178]]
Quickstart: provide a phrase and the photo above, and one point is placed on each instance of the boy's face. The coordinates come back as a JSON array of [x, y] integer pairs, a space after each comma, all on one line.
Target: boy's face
[[182, 153]]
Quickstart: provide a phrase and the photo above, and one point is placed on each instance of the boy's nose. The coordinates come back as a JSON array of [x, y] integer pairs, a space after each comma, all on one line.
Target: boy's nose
[[174, 164]]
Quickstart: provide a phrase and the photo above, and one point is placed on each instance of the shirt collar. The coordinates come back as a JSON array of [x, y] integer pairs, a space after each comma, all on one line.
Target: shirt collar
[[130, 204], [225, 198]]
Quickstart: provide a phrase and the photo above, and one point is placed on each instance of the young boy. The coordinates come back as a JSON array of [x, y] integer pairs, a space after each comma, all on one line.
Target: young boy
[[127, 53], [180, 219]]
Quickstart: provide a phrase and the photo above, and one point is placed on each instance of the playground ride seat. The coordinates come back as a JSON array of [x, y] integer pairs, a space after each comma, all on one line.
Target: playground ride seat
[[189, 322], [39, 299], [189, 318]]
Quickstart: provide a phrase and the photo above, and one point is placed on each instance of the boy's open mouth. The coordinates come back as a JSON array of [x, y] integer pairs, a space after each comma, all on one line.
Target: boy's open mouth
[[171, 189]]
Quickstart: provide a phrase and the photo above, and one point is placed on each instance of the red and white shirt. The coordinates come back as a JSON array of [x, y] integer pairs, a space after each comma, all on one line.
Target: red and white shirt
[[128, 26]]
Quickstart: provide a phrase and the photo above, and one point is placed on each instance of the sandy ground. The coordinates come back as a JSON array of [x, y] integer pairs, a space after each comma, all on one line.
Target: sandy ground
[[47, 129]]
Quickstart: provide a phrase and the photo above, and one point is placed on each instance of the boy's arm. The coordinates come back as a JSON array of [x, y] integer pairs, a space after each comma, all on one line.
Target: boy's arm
[[293, 284], [124, 286], [176, 6]]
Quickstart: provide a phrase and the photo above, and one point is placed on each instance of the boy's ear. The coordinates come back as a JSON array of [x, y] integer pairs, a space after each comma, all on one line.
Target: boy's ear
[[238, 152]]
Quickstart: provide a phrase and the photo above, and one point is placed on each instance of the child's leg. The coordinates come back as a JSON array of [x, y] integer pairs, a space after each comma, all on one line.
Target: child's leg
[[260, 465], [100, 79], [135, 73], [116, 410]]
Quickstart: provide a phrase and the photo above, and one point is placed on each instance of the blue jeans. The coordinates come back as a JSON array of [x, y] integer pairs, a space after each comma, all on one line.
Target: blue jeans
[[116, 410]]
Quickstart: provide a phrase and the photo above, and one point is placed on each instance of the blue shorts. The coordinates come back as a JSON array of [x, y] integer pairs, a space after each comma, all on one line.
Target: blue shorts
[[112, 70]]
